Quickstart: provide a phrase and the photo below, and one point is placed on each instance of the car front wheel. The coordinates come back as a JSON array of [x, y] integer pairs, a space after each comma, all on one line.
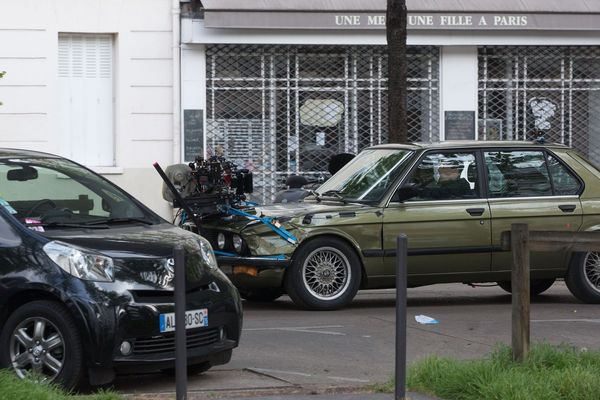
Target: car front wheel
[[325, 274], [583, 277], [40, 341]]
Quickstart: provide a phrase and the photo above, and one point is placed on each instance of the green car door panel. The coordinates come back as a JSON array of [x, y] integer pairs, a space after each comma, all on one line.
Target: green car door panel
[[443, 237]]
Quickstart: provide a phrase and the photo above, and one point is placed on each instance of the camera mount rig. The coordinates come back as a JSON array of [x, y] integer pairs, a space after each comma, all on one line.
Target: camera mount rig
[[205, 187]]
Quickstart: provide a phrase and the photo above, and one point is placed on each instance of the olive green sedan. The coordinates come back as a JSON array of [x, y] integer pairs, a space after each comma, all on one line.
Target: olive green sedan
[[453, 200]]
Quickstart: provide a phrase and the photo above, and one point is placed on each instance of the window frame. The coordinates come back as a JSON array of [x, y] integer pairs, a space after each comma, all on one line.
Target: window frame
[[546, 152], [483, 194]]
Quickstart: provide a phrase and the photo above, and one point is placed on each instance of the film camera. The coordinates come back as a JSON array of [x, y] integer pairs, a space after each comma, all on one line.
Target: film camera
[[206, 185]]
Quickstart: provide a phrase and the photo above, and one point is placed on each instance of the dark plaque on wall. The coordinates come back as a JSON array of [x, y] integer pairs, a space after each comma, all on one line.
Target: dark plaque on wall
[[193, 134], [459, 125]]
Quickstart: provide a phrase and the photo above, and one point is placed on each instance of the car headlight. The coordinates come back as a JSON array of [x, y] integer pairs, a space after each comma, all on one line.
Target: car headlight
[[237, 243], [207, 254], [81, 263], [221, 241]]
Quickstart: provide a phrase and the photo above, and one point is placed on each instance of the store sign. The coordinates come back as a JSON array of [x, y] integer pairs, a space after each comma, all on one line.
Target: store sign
[[193, 134], [416, 21], [459, 125], [438, 21]]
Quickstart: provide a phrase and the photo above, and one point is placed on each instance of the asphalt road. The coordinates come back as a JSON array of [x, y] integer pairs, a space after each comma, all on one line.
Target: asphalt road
[[283, 347]]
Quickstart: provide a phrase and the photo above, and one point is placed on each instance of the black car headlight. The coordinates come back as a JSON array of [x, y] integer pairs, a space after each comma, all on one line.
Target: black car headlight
[[81, 263]]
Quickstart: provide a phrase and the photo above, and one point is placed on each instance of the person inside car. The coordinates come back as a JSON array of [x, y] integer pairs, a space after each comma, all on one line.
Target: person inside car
[[450, 183]]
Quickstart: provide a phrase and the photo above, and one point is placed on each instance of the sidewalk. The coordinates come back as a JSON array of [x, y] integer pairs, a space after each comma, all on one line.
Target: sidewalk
[[360, 396]]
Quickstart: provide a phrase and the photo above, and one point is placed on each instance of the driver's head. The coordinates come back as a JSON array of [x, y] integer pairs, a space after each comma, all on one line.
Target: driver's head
[[449, 170]]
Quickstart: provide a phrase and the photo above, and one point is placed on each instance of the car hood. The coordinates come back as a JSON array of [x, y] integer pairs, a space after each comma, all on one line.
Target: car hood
[[132, 241], [142, 254], [322, 209], [293, 214]]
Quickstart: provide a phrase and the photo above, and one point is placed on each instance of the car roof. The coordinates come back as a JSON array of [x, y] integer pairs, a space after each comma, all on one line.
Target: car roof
[[15, 153], [452, 144]]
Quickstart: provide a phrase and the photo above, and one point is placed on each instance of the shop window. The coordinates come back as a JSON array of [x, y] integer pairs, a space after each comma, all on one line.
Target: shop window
[[547, 92], [286, 110]]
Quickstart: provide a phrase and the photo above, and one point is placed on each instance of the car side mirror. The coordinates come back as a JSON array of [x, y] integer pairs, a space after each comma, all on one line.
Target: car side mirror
[[25, 173]]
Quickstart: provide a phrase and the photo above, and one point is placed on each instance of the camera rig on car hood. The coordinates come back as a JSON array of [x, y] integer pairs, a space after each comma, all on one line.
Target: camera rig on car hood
[[212, 187], [205, 187]]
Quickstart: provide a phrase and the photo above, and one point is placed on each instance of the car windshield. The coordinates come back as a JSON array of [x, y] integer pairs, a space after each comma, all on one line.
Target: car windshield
[[57, 192], [367, 177]]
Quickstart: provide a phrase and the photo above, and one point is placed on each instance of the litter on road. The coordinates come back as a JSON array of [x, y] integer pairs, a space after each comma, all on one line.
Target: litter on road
[[425, 320]]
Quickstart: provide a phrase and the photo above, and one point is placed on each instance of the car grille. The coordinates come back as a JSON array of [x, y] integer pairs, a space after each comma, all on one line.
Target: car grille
[[166, 341]]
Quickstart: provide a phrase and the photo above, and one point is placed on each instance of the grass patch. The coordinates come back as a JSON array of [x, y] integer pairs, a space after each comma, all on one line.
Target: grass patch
[[551, 372], [22, 389]]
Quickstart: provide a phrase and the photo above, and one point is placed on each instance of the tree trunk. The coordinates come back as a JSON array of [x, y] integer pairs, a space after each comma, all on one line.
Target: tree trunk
[[396, 41]]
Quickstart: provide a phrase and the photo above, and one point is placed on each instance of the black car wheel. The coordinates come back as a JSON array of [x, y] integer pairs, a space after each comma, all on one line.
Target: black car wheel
[[40, 340], [264, 295], [325, 274], [536, 286], [583, 277]]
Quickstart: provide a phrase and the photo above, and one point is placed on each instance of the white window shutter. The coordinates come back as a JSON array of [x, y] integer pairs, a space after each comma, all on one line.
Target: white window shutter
[[85, 71]]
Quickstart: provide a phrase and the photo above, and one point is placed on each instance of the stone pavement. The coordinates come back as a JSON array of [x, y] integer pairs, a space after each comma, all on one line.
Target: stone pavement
[[359, 396]]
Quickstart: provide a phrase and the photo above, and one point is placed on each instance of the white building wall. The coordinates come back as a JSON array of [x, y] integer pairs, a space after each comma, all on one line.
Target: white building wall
[[193, 81], [143, 82], [458, 81]]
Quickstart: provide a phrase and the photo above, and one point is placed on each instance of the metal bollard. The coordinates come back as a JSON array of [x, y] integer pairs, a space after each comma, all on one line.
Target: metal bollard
[[180, 332], [401, 273]]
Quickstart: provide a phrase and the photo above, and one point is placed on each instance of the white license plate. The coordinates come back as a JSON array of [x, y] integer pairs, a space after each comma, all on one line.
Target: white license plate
[[193, 319]]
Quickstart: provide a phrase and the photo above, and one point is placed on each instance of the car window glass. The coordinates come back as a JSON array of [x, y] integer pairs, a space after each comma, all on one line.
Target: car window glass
[[53, 190], [442, 176], [8, 236], [517, 174], [367, 176], [563, 180]]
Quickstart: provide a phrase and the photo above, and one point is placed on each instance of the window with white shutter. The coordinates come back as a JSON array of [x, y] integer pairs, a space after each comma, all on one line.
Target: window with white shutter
[[85, 75]]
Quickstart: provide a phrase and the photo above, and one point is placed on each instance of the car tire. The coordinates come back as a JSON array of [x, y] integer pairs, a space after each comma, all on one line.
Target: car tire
[[264, 295], [58, 354], [583, 277], [325, 274], [536, 286]]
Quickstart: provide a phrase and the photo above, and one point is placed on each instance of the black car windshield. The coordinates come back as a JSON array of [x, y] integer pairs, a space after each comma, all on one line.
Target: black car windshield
[[367, 177], [55, 192]]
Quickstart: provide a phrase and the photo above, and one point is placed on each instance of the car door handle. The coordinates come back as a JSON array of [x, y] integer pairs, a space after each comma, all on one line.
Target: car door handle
[[567, 207], [475, 212]]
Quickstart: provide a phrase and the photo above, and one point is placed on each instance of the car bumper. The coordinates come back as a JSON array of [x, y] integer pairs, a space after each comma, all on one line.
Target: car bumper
[[262, 263], [218, 353], [134, 318], [254, 272]]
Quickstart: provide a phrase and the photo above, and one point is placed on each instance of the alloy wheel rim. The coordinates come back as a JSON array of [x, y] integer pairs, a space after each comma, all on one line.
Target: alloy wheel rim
[[326, 273], [37, 349], [591, 266]]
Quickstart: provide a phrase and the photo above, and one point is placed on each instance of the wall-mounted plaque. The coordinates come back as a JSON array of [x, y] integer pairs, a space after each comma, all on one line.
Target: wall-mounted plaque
[[459, 125], [193, 134]]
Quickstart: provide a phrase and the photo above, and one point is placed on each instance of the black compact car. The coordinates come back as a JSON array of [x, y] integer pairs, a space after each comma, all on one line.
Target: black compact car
[[86, 279]]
